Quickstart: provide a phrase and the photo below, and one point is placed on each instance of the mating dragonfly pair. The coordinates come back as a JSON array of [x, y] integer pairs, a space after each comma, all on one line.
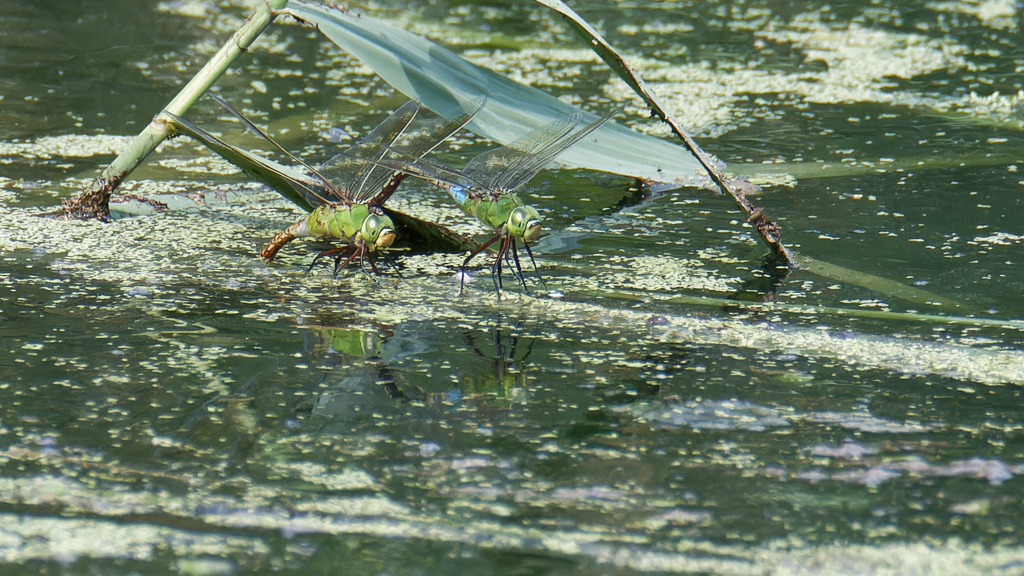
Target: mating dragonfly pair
[[345, 195]]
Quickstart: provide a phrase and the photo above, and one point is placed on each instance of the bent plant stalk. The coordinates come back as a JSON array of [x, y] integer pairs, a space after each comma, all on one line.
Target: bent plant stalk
[[94, 201], [737, 189]]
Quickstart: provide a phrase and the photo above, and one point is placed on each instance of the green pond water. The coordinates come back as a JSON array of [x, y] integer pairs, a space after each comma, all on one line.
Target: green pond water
[[171, 404]]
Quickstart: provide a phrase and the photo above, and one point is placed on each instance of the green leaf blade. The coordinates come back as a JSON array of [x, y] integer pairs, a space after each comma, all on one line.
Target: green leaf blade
[[448, 85]]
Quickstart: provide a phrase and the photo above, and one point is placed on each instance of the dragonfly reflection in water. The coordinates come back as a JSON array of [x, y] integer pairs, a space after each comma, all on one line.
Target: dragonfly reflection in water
[[491, 370], [494, 378], [345, 194], [486, 187], [507, 379]]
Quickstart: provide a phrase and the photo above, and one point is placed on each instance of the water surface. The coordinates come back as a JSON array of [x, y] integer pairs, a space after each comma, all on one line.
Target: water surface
[[170, 403]]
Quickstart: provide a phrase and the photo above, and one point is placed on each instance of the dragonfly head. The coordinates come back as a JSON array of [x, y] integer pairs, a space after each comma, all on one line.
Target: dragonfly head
[[378, 231], [524, 222]]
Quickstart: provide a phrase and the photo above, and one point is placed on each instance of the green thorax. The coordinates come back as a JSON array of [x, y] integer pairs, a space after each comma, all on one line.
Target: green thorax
[[492, 212], [356, 224], [337, 221]]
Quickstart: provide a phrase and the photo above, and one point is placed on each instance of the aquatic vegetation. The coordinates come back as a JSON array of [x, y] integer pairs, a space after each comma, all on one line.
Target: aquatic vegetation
[[170, 401]]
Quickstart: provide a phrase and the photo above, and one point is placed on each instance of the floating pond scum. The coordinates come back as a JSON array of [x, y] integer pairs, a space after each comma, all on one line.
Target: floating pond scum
[[170, 403]]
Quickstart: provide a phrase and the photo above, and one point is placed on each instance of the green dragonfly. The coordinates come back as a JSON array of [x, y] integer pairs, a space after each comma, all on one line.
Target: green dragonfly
[[344, 196], [486, 188]]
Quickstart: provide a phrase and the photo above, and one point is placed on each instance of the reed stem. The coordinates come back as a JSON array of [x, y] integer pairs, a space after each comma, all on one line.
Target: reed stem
[[94, 200]]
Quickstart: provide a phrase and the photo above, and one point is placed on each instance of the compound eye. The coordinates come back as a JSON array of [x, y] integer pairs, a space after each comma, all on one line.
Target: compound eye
[[518, 216], [375, 228], [525, 223]]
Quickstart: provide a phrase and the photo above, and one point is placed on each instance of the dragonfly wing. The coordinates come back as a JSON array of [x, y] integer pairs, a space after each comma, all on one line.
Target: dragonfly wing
[[353, 177], [358, 179], [430, 134], [329, 193], [499, 166], [290, 183], [418, 143], [537, 149], [436, 174], [395, 138]]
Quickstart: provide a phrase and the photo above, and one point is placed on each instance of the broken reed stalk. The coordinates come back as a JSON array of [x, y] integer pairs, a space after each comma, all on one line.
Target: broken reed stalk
[[768, 230], [94, 201]]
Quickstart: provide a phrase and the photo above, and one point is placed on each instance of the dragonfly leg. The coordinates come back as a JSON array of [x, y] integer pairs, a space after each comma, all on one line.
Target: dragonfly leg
[[390, 262], [510, 262], [365, 259], [462, 269], [338, 264], [344, 256], [496, 275], [367, 256], [519, 269], [326, 253], [535, 269], [502, 255]]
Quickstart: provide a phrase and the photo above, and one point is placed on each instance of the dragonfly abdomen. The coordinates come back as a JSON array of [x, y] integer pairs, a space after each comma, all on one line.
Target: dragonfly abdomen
[[281, 238], [316, 224], [460, 194]]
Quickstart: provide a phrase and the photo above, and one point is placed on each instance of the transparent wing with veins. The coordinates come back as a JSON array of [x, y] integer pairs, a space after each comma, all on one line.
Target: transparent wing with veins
[[351, 171], [304, 189], [508, 168], [368, 179], [322, 192]]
